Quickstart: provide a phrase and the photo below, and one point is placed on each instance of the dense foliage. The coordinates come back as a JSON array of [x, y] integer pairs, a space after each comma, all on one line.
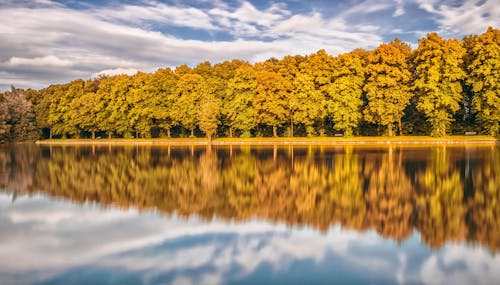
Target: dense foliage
[[445, 86], [17, 118]]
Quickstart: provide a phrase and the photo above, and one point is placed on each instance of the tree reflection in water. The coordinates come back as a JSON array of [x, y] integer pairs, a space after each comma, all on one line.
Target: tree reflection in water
[[446, 193]]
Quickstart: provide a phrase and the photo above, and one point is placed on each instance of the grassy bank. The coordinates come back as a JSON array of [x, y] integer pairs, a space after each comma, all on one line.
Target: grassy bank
[[281, 141]]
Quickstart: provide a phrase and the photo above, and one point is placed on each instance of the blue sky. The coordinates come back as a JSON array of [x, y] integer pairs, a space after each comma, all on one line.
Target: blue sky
[[48, 41]]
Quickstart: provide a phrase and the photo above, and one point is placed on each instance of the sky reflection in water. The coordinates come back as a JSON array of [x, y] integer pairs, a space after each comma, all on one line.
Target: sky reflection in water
[[51, 237]]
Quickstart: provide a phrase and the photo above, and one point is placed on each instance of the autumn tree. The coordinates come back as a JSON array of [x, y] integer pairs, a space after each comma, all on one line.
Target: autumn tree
[[21, 122], [271, 100], [438, 65], [114, 106], [163, 85], [388, 84], [238, 105], [345, 92], [191, 90], [209, 112], [84, 109], [4, 120], [319, 66], [483, 67]]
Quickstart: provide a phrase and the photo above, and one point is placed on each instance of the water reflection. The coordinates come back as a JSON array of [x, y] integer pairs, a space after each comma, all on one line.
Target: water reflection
[[226, 212]]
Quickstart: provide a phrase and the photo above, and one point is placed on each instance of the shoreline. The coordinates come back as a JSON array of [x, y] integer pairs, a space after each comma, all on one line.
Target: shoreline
[[269, 141]]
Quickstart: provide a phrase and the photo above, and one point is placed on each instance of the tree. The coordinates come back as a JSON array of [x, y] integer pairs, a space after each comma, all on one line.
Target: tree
[[84, 109], [271, 100], [388, 84], [141, 99], [483, 67], [191, 89], [113, 106], [438, 66], [320, 67], [238, 105], [164, 84], [19, 123], [305, 102], [59, 118], [4, 120], [345, 92], [209, 118]]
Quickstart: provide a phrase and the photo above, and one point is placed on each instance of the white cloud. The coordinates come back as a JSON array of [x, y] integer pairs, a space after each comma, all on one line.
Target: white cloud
[[467, 18], [158, 12], [399, 11], [115, 71], [49, 60]]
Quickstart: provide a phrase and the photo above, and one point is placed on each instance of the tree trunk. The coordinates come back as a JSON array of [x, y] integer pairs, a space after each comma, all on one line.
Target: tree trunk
[[50, 134], [209, 136], [291, 127], [168, 132], [389, 130], [274, 131], [192, 133], [93, 135], [444, 128], [400, 124], [230, 132], [110, 135]]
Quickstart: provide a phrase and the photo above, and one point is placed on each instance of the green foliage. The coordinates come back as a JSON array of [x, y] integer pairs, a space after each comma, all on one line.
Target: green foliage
[[191, 90], [483, 67], [209, 117], [388, 84], [438, 66], [271, 100], [238, 105], [345, 92]]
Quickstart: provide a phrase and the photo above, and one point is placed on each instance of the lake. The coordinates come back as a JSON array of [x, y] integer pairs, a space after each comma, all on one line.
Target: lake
[[250, 215]]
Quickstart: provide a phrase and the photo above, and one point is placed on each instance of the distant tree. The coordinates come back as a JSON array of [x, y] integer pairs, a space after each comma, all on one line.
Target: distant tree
[[388, 84], [439, 73], [483, 68]]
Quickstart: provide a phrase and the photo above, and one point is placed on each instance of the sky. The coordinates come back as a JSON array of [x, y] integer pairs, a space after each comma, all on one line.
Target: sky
[[43, 42]]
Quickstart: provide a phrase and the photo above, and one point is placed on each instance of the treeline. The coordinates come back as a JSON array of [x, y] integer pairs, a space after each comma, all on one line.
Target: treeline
[[393, 192], [445, 86]]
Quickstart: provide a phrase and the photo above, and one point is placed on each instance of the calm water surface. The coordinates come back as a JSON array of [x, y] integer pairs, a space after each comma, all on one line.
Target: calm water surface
[[242, 215]]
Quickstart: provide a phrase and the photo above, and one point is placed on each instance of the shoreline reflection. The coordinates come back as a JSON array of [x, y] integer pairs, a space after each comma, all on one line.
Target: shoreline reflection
[[448, 194]]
